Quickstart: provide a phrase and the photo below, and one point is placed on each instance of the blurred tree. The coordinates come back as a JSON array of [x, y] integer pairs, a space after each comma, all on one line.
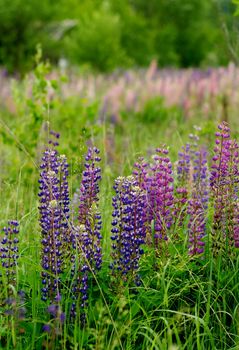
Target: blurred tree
[[22, 25], [97, 41], [136, 36], [184, 30], [108, 33]]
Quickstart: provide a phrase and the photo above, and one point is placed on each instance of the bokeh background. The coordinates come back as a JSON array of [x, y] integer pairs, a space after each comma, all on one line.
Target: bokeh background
[[107, 34]]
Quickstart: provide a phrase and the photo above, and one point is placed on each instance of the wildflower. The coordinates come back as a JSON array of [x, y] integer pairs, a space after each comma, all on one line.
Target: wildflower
[[160, 200], [54, 215], [89, 215], [183, 184], [224, 187], [9, 251], [198, 203], [128, 229], [86, 236]]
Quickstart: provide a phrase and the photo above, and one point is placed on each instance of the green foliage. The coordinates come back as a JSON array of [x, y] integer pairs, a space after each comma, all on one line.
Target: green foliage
[[106, 34], [155, 111], [22, 26], [97, 41], [38, 104]]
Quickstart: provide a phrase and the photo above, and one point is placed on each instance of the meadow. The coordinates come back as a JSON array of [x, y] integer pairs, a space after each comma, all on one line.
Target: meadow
[[119, 210]]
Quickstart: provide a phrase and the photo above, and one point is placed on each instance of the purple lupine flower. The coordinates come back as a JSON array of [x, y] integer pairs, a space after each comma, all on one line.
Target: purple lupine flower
[[160, 200], [182, 184], [54, 214], [198, 203], [89, 214], [9, 260], [140, 172], [232, 210], [86, 237], [235, 222], [220, 182], [9, 251], [128, 229], [64, 200]]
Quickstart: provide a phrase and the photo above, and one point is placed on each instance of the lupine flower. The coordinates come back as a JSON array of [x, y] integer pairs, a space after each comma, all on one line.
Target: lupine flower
[[89, 215], [198, 203], [223, 182], [9, 260], [9, 251], [159, 192], [232, 211], [54, 214], [64, 201], [235, 222], [182, 184], [128, 229], [140, 172], [86, 237]]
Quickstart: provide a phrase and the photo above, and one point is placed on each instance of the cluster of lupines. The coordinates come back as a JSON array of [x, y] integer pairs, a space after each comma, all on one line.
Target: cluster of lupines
[[192, 194], [157, 181], [224, 189], [143, 204], [61, 239], [86, 237], [128, 229], [198, 203]]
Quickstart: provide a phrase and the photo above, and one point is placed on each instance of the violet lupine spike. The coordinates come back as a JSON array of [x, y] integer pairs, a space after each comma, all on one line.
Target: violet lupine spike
[[54, 211], [89, 214], [182, 185], [232, 206], [9, 251], [140, 172], [235, 223], [86, 238], [64, 200], [13, 304], [160, 199], [198, 203], [219, 182], [128, 229]]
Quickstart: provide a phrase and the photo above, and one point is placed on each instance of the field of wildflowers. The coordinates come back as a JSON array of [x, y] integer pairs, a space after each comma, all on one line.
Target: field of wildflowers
[[119, 216]]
